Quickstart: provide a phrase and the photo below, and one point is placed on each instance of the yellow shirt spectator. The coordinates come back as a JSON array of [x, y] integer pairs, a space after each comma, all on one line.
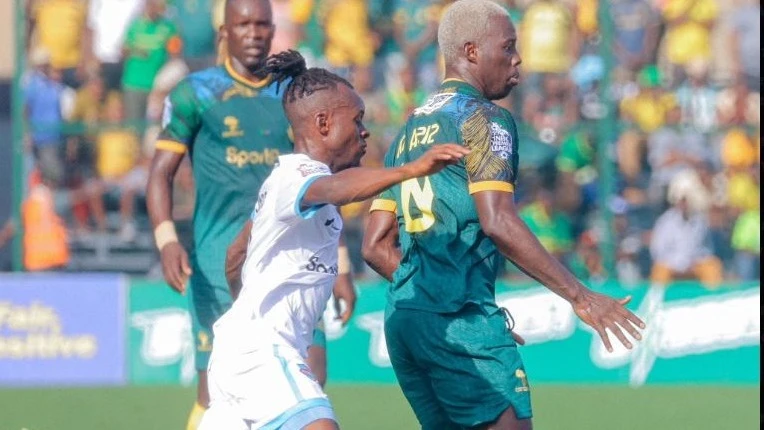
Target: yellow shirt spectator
[[59, 27], [545, 38], [648, 109], [689, 36], [743, 192], [348, 38], [118, 151]]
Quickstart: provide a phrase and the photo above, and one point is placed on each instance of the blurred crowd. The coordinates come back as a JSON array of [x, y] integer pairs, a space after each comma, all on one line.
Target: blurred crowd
[[685, 81]]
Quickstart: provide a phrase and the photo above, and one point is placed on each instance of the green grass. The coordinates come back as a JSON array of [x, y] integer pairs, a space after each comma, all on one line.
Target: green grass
[[384, 408]]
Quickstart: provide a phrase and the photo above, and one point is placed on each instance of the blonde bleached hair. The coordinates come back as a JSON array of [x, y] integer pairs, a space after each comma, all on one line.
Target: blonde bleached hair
[[466, 21]]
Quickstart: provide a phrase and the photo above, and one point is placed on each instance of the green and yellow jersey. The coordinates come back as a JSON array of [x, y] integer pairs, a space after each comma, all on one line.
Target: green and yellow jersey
[[447, 259], [233, 129]]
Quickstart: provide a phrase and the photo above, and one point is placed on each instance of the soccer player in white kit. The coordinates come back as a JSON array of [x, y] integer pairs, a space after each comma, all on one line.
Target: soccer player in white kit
[[258, 378]]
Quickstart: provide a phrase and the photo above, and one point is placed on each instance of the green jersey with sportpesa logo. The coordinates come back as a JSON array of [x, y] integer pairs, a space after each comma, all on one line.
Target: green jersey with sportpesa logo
[[234, 130]]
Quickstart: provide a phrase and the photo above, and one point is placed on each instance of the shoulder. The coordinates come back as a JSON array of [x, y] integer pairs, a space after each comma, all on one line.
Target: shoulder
[[274, 90], [203, 83]]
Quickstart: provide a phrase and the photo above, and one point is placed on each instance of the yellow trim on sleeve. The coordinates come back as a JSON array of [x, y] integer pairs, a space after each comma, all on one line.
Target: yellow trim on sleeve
[[383, 205], [476, 187], [254, 84], [171, 145]]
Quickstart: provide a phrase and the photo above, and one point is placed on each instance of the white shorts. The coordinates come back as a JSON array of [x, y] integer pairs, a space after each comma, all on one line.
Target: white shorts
[[271, 388]]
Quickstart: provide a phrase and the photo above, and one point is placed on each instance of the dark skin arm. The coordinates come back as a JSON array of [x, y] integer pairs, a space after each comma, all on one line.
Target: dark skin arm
[[175, 265], [380, 243], [500, 221], [344, 290], [361, 183], [234, 259]]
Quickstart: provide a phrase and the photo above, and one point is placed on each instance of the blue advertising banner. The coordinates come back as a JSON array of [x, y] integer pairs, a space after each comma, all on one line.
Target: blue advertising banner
[[62, 329]]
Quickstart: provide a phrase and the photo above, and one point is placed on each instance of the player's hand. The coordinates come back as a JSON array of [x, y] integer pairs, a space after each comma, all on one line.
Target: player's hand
[[175, 266], [604, 313], [438, 157], [344, 290]]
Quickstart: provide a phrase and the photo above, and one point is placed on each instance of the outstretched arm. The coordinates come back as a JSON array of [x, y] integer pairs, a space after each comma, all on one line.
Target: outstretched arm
[[380, 243], [500, 221], [234, 259], [360, 183]]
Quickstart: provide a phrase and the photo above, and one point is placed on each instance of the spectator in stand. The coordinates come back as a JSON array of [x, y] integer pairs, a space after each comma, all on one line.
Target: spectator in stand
[[670, 150], [120, 164], [746, 243], [553, 111], [108, 21], [680, 245], [549, 225], [350, 43], [42, 96], [150, 42], [549, 41], [197, 33], [416, 29], [404, 95], [45, 239], [697, 98], [737, 106], [688, 33], [637, 32], [58, 26], [86, 117], [746, 43]]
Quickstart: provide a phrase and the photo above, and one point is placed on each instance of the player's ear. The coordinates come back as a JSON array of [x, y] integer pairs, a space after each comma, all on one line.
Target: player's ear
[[470, 51], [322, 122]]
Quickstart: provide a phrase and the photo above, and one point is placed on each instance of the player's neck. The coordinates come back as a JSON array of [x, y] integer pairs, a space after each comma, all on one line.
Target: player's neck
[[314, 151], [240, 69], [461, 74]]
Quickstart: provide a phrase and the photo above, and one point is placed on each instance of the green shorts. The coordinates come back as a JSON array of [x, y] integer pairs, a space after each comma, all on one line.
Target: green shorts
[[457, 370], [207, 303]]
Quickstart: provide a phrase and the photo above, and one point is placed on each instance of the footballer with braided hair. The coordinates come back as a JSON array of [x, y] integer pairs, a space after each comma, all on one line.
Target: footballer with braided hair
[[230, 122], [258, 377]]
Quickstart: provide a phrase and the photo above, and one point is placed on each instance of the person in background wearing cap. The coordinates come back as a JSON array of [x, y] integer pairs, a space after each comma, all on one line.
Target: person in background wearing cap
[[681, 239]]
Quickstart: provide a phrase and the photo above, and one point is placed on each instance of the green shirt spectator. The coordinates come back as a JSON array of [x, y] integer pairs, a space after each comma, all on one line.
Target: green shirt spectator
[[195, 18], [552, 228], [149, 44], [745, 234]]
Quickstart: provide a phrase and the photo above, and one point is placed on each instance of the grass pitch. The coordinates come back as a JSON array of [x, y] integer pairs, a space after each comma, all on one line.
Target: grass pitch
[[382, 407]]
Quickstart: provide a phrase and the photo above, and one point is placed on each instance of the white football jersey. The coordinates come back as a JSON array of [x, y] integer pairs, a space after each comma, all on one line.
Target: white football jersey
[[291, 265]]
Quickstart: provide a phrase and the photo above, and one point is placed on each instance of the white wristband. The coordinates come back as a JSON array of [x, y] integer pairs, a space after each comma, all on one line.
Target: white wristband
[[165, 233]]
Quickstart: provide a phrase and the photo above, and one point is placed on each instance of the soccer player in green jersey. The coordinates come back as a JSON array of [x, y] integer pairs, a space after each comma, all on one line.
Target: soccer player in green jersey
[[449, 342], [229, 119]]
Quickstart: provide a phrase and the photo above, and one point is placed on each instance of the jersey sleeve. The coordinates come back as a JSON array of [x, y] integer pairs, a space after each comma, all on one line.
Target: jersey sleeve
[[385, 201], [291, 190], [491, 165], [180, 120]]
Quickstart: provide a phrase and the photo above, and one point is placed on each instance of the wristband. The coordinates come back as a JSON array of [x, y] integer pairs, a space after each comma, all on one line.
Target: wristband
[[164, 234], [343, 261]]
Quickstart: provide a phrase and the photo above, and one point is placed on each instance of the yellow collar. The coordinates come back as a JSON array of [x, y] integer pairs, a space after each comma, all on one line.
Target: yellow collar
[[254, 84]]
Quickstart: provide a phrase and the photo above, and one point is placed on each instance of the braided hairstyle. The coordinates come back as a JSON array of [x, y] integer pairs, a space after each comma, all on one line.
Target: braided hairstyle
[[304, 81]]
